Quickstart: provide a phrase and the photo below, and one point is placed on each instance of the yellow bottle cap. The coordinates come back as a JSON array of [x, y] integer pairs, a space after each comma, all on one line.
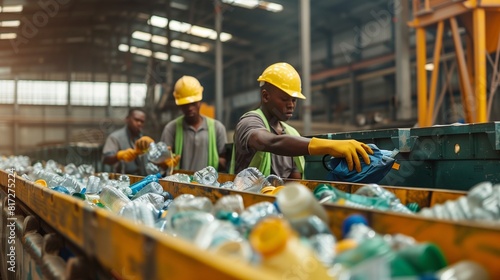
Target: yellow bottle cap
[[277, 190], [345, 244], [267, 190], [41, 182], [270, 236]]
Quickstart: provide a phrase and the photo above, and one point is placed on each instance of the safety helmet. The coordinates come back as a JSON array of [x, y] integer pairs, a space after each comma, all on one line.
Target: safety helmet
[[187, 90], [283, 76]]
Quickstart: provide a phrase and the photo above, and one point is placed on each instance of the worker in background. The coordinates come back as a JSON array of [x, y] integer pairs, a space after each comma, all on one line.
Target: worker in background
[[121, 149], [262, 139], [199, 140]]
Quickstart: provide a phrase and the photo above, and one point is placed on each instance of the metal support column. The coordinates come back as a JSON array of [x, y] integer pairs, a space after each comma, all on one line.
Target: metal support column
[[305, 31], [435, 73], [479, 26], [15, 125], [467, 97], [421, 76], [218, 62], [403, 69]]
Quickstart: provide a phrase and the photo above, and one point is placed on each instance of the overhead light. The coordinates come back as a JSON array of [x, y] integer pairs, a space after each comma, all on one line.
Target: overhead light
[[141, 35], [148, 53], [8, 36], [187, 28], [249, 4], [252, 4], [272, 7], [10, 23], [11, 9], [162, 40], [429, 66]]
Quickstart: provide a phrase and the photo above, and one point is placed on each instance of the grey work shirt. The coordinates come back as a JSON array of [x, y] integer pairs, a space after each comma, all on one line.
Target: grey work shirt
[[122, 140], [194, 155], [282, 166]]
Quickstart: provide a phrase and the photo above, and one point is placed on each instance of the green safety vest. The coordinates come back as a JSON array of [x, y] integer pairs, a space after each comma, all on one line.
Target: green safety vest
[[262, 160], [213, 153]]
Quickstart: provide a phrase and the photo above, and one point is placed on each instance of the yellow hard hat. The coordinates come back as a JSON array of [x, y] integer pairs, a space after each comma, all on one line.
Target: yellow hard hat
[[283, 76], [187, 90]]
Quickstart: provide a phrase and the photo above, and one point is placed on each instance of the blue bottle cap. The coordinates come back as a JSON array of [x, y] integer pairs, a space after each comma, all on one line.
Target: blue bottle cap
[[352, 220], [275, 203]]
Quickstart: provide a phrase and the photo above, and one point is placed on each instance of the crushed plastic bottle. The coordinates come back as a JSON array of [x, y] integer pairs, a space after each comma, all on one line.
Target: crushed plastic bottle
[[249, 179], [482, 203], [207, 176], [253, 214], [178, 177], [113, 199], [93, 185], [153, 187], [229, 208], [158, 152]]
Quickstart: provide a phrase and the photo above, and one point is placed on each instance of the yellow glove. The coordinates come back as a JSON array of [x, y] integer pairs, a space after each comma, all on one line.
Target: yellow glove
[[142, 144], [172, 161], [126, 155], [348, 149]]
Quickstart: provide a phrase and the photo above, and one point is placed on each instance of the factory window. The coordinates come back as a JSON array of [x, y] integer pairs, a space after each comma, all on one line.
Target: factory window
[[119, 94], [137, 95], [7, 96], [89, 94], [42, 92]]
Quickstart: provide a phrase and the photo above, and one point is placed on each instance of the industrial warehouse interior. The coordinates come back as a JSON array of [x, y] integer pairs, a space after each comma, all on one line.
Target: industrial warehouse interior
[[304, 139]]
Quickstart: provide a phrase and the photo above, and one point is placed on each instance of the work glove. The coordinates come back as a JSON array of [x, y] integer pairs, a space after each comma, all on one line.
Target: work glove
[[348, 149], [142, 144], [127, 155], [173, 161]]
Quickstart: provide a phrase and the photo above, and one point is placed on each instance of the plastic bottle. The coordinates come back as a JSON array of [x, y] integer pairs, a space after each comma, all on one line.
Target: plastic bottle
[[482, 203], [93, 185], [229, 208], [153, 187], [186, 224], [282, 251], [155, 199], [297, 201], [374, 190], [113, 199], [326, 193], [207, 176], [188, 202], [253, 214], [158, 152], [309, 226], [139, 212], [145, 181], [463, 270], [249, 179], [178, 177]]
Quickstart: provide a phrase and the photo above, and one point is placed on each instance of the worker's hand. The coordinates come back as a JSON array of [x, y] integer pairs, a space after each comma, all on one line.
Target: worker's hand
[[126, 155], [348, 149], [173, 161], [142, 144]]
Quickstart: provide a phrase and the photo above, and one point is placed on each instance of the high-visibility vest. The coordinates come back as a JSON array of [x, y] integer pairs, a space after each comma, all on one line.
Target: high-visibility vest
[[262, 160], [213, 153]]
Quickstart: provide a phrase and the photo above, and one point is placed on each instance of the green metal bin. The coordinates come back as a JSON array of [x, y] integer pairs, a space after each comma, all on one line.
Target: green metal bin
[[448, 157]]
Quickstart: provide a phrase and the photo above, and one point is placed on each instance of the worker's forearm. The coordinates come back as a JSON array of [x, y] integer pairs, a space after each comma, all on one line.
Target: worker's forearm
[[110, 160], [287, 145]]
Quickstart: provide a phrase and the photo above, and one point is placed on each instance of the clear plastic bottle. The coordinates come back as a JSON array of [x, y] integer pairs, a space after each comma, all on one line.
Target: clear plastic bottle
[[145, 181], [229, 208], [153, 187], [178, 177], [158, 152], [139, 212], [282, 251], [463, 270], [93, 185], [207, 176], [186, 224], [254, 213], [326, 193], [297, 201], [482, 203], [374, 190], [188, 202], [113, 199], [157, 200], [249, 179]]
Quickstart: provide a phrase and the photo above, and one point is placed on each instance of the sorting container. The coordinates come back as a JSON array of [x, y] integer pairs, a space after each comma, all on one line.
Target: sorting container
[[131, 251]]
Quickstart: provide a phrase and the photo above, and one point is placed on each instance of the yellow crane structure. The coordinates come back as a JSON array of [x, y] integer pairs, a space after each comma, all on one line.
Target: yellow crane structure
[[481, 20]]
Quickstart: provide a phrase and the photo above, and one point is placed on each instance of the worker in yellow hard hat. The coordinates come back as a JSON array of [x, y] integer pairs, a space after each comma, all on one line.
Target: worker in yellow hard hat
[[198, 139], [262, 138]]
